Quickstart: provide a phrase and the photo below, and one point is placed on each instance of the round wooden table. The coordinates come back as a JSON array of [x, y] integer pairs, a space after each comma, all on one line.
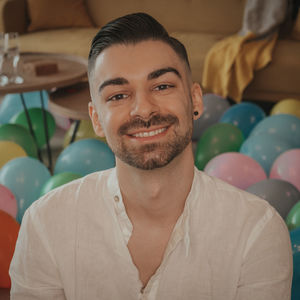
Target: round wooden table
[[70, 69], [45, 71]]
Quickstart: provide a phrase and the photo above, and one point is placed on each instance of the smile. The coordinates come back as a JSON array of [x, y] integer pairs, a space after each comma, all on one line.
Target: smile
[[149, 133]]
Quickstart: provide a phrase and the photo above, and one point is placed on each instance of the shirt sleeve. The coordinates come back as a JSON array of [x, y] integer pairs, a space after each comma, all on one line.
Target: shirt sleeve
[[267, 268], [33, 270]]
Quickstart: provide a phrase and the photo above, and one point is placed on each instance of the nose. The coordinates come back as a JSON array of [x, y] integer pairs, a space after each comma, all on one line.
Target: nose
[[143, 106]]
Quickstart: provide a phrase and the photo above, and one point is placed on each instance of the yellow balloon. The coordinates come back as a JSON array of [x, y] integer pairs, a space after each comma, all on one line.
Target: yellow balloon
[[85, 131], [10, 150], [287, 106]]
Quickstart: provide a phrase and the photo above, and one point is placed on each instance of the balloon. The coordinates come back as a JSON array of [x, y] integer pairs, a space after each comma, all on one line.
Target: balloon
[[293, 217], [279, 193], [19, 135], [287, 167], [217, 139], [295, 240], [84, 157], [58, 180], [9, 229], [8, 202], [235, 168], [10, 150], [213, 108], [243, 115], [287, 106], [37, 121], [24, 176], [285, 127], [84, 131], [12, 104], [264, 149]]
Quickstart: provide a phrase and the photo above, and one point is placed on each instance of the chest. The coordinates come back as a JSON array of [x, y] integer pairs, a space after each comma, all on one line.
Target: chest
[[147, 249]]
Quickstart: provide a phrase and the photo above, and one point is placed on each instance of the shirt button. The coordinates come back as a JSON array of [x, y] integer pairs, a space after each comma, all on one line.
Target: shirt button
[[116, 198]]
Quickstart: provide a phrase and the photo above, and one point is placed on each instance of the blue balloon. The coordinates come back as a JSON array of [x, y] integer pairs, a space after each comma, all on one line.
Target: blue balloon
[[213, 108], [244, 115], [284, 126], [84, 157], [12, 104], [25, 177], [264, 149], [295, 240]]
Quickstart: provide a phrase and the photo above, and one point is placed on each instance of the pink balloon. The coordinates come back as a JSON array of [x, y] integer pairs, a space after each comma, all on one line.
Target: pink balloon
[[8, 202], [287, 167], [236, 168]]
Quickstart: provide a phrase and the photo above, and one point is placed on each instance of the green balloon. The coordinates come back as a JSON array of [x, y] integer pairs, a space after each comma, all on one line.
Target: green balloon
[[293, 217], [21, 136], [37, 121], [218, 138], [58, 180]]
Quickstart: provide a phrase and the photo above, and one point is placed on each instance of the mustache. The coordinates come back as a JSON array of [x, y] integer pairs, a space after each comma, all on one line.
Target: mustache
[[138, 122]]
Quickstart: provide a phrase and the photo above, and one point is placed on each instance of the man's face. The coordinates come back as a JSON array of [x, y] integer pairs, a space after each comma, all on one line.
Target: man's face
[[142, 103]]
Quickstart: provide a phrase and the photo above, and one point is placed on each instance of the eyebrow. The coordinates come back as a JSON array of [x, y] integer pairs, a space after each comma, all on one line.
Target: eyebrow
[[157, 73], [153, 75], [113, 81]]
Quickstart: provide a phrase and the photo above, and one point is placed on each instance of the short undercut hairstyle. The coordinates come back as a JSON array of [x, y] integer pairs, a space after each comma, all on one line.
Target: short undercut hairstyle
[[131, 29]]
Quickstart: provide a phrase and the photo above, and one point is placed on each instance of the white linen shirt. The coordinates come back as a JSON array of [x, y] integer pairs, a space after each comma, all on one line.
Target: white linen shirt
[[226, 245]]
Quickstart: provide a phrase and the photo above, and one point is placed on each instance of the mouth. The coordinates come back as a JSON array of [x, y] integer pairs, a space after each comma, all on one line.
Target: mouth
[[151, 133]]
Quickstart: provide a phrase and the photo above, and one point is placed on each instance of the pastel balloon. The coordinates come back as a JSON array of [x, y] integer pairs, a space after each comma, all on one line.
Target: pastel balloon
[[61, 122], [58, 180], [235, 168], [84, 131], [213, 108], [12, 104], [217, 139], [244, 115], [20, 135], [24, 176], [283, 126], [279, 193], [295, 240], [10, 150], [84, 157], [264, 149], [9, 230], [8, 202], [37, 121], [293, 217], [287, 106], [287, 167]]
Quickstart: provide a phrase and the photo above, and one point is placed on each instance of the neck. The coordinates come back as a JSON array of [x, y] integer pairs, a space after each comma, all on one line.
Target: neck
[[157, 194]]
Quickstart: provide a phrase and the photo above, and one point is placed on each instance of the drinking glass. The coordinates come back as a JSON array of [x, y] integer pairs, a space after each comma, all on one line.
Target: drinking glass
[[3, 77], [12, 58]]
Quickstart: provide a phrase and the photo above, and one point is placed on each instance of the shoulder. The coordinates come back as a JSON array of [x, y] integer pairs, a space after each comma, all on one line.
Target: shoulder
[[63, 201], [233, 205]]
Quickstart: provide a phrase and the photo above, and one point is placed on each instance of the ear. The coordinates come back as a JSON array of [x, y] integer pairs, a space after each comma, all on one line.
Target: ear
[[196, 92], [95, 120]]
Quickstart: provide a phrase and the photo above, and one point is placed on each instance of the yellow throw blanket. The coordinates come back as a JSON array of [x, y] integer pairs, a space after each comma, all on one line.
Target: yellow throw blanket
[[230, 63]]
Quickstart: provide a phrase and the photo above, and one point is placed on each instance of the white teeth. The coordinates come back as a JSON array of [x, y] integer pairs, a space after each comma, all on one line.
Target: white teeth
[[150, 133]]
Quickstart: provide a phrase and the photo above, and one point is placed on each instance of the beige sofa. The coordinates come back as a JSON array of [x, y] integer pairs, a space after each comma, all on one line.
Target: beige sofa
[[199, 24]]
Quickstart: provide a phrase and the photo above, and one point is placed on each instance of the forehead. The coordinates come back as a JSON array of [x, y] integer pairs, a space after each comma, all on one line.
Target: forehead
[[136, 60]]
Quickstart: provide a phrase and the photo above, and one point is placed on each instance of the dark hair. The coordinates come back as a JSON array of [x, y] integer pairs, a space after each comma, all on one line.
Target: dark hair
[[131, 29]]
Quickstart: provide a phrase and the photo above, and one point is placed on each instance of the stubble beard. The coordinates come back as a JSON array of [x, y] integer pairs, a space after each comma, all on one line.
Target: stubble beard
[[154, 155]]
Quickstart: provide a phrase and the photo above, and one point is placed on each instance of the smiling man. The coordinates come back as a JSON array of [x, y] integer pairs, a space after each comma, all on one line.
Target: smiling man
[[154, 227]]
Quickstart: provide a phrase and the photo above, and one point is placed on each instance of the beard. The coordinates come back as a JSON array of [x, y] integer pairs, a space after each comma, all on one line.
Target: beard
[[154, 155]]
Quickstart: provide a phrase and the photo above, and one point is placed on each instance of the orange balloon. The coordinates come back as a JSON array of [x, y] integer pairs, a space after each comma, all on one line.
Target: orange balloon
[[9, 229]]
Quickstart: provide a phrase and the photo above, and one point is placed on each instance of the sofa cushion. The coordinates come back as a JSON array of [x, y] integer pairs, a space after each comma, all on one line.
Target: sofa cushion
[[74, 41], [46, 14]]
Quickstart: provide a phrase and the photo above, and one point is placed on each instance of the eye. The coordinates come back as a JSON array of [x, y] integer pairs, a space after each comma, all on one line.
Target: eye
[[162, 87], [117, 97]]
